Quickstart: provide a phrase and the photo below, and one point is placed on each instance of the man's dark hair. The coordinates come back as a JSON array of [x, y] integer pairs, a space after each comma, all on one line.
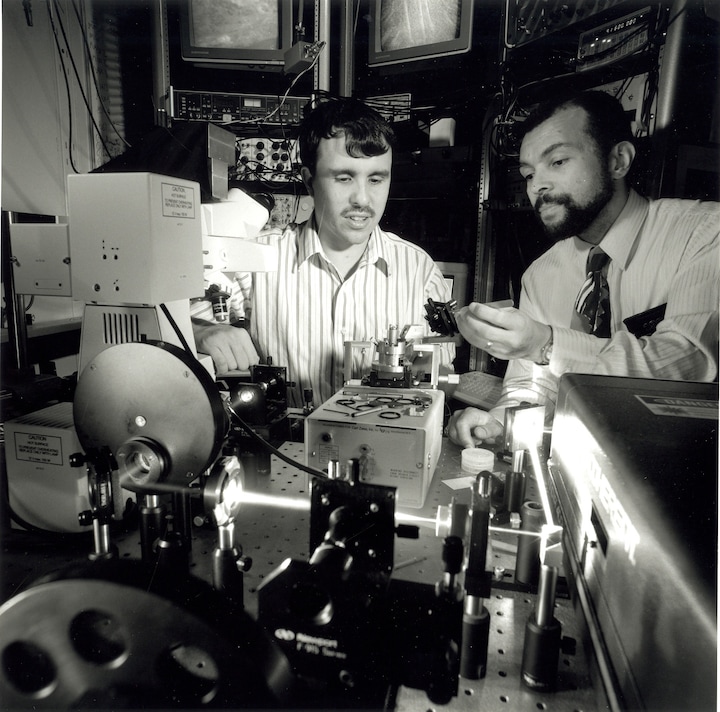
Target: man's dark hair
[[607, 123], [367, 132]]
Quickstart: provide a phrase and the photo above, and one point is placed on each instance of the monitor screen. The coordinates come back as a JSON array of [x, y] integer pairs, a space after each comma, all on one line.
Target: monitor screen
[[456, 277], [408, 30], [244, 32]]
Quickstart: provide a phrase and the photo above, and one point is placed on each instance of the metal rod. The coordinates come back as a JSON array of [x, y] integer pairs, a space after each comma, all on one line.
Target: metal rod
[[347, 74], [368, 411], [546, 595]]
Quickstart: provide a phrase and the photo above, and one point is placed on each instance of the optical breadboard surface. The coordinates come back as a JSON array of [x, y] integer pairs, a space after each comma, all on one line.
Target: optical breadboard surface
[[275, 527]]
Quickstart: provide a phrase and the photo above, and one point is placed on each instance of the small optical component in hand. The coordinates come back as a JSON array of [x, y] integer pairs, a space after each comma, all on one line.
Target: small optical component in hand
[[441, 317]]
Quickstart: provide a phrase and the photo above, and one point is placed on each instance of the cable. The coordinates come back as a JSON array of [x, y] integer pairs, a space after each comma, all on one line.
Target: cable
[[273, 450], [67, 88], [127, 482], [77, 76], [256, 171], [94, 76], [176, 329], [284, 96]]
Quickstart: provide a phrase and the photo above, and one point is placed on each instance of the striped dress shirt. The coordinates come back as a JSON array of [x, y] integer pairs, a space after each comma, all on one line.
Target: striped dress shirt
[[662, 252], [302, 314]]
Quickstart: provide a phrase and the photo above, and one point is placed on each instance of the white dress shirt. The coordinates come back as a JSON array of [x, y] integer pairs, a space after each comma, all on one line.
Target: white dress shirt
[[662, 252], [302, 314]]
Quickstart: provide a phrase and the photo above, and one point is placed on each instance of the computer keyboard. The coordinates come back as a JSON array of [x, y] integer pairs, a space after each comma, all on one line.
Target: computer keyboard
[[479, 389]]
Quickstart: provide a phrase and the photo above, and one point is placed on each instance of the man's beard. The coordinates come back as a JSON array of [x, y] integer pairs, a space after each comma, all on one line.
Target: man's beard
[[578, 218]]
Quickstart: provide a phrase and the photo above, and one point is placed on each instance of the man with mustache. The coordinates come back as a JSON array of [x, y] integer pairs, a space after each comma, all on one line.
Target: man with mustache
[[340, 277], [575, 156]]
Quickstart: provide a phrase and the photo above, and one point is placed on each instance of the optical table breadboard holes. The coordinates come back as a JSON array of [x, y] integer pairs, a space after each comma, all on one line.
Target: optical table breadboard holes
[[270, 535], [501, 690]]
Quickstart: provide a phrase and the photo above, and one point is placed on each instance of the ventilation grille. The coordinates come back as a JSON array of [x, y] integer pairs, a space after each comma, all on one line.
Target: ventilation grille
[[59, 415], [120, 328]]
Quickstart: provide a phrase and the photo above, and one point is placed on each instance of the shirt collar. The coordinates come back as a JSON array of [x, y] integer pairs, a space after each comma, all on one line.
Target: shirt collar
[[619, 241], [309, 244]]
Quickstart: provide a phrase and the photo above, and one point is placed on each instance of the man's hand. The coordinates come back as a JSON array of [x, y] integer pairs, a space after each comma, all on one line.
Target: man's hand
[[230, 348], [504, 333], [470, 427]]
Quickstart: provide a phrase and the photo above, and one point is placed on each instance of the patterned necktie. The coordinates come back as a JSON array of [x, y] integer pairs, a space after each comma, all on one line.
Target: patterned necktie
[[593, 302]]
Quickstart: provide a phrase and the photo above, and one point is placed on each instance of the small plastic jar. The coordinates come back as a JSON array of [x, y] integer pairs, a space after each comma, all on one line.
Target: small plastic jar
[[476, 459]]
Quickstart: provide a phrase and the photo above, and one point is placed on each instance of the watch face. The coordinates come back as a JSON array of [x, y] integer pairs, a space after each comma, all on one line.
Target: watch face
[[545, 354]]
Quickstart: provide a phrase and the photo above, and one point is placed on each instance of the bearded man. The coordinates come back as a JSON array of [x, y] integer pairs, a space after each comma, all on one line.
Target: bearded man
[[630, 287]]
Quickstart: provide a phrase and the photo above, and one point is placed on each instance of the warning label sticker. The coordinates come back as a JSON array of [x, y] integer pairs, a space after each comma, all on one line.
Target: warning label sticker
[[681, 407], [178, 201], [35, 447], [327, 453]]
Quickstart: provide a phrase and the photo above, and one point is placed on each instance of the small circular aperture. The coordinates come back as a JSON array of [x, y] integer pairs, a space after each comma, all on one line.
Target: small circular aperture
[[97, 637], [28, 667], [189, 673]]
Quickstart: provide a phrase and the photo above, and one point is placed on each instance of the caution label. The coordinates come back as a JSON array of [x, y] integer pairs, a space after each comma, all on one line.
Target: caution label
[[178, 201], [36, 447], [681, 407], [326, 453]]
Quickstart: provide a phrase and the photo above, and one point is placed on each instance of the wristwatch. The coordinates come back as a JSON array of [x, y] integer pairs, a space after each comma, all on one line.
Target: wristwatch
[[546, 351]]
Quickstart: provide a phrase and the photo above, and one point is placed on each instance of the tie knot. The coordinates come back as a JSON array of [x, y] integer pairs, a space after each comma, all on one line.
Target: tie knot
[[597, 260]]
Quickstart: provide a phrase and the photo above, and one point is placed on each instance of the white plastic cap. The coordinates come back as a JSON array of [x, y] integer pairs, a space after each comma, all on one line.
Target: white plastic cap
[[475, 459]]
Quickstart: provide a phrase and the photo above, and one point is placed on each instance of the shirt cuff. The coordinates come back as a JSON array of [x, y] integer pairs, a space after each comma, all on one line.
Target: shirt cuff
[[574, 351]]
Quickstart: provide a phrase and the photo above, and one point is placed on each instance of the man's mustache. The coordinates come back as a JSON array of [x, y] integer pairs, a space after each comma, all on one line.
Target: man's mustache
[[550, 200]]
